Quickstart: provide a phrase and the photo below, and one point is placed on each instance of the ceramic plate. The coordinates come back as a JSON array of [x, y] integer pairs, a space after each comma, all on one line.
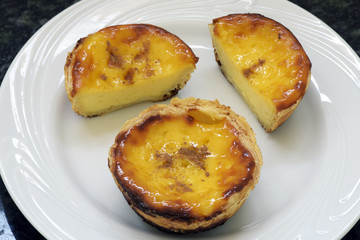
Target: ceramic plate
[[54, 162]]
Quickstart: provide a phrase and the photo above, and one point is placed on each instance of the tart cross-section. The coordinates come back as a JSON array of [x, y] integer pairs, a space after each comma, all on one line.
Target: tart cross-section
[[265, 62]]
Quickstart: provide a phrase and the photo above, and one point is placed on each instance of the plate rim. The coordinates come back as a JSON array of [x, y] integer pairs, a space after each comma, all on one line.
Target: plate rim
[[5, 85]]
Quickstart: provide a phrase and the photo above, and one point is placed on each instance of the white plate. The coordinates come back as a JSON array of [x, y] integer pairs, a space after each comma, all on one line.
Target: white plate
[[54, 163]]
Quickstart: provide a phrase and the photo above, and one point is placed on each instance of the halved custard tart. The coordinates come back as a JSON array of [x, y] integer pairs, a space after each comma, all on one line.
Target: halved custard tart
[[265, 62], [125, 64], [187, 166]]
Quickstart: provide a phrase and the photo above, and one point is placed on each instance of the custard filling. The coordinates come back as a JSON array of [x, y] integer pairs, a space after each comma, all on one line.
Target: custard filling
[[182, 165]]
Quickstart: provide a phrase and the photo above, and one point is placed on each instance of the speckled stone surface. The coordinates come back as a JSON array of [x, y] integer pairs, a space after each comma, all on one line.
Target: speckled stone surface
[[20, 19]]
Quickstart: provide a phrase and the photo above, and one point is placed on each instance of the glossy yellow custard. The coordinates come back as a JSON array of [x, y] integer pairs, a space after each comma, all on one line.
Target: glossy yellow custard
[[184, 168], [177, 156], [265, 62], [125, 64]]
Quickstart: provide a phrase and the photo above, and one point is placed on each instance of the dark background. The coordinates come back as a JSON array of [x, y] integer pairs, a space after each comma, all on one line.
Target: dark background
[[20, 19]]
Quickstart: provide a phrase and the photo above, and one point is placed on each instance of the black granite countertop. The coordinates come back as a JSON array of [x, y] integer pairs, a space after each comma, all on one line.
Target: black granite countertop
[[21, 19]]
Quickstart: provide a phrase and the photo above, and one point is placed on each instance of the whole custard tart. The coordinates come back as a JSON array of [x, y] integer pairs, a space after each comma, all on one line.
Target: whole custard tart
[[125, 64], [187, 166]]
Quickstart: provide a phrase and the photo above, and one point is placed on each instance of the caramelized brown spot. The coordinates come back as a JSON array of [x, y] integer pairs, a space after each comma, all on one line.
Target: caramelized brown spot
[[149, 71], [83, 66], [180, 187], [165, 158], [261, 62], [180, 214], [256, 22], [239, 35], [76, 74], [137, 31], [79, 42], [295, 46], [195, 155], [102, 77], [255, 19], [132, 195], [129, 75], [246, 157], [216, 29], [249, 71], [115, 59], [123, 136], [300, 86], [147, 122], [301, 62], [189, 120], [144, 52]]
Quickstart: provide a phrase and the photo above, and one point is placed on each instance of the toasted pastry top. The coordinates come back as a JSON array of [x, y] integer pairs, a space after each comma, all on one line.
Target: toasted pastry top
[[122, 55]]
